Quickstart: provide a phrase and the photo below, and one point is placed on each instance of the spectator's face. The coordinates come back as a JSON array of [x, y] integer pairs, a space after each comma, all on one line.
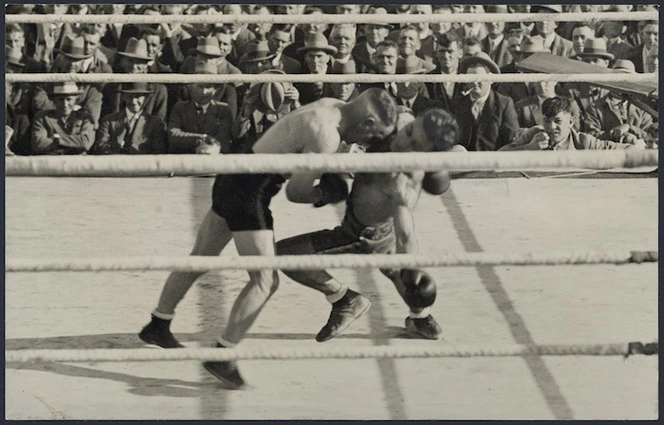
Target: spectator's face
[[204, 59], [232, 9], [133, 66], [545, 89], [579, 37], [101, 29], [312, 29], [203, 92], [225, 43], [421, 9], [546, 28], [15, 40], [346, 9], [134, 102], [495, 28], [202, 29], [72, 65], [385, 60], [650, 36], [375, 34], [277, 41], [342, 91], [614, 28], [514, 46], [442, 27], [596, 60], [91, 43], [448, 57], [471, 49], [316, 61], [558, 127], [344, 40], [407, 90], [653, 62], [256, 67], [478, 89], [260, 30], [409, 42], [154, 45], [65, 104]]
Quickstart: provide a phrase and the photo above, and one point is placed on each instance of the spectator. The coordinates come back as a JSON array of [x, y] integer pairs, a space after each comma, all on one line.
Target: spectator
[[134, 60], [596, 26], [554, 43], [519, 52], [154, 43], [440, 28], [384, 62], [529, 110], [51, 36], [409, 44], [494, 44], [64, 130], [615, 35], [581, 33], [201, 125], [342, 37], [650, 36], [277, 39], [15, 42], [179, 46], [345, 9], [524, 28], [17, 125], [558, 132], [257, 58], [471, 46], [260, 31], [448, 55], [239, 34], [317, 55], [409, 94], [131, 130], [342, 91], [652, 62], [307, 31], [117, 34], [472, 29], [92, 37], [487, 120], [427, 50], [374, 34], [615, 118], [264, 104]]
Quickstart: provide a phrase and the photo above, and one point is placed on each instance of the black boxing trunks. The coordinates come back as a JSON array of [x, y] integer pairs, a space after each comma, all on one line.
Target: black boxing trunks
[[345, 239], [243, 200]]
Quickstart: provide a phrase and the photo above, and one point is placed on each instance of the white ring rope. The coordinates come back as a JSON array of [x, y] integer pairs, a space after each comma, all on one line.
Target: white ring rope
[[168, 165], [332, 18], [321, 262], [375, 352], [603, 77]]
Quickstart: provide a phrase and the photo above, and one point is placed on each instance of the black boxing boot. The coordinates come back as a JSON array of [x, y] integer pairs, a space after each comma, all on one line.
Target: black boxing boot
[[344, 312], [426, 327], [226, 372], [158, 332]]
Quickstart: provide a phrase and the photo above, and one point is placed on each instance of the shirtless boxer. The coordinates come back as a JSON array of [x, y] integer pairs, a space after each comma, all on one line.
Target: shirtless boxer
[[379, 220], [240, 210]]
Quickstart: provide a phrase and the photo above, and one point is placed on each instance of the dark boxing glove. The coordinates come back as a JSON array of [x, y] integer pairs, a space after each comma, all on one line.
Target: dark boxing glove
[[331, 189], [436, 183], [420, 289]]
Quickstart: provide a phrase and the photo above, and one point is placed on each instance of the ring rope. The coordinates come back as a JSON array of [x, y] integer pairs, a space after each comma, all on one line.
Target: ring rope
[[375, 352], [603, 77], [332, 18], [168, 165], [322, 262]]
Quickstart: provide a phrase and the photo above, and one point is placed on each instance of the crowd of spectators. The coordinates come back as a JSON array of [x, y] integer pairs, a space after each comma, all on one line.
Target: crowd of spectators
[[136, 118]]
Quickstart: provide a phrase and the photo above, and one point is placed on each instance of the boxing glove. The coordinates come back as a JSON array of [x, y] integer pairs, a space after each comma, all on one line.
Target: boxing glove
[[331, 189], [436, 183], [420, 289]]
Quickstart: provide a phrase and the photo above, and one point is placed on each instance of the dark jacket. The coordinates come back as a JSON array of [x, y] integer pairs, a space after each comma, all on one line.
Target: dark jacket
[[148, 135], [76, 134]]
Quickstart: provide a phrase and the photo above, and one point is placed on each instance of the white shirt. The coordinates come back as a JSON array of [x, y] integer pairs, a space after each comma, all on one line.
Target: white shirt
[[548, 41], [478, 105], [370, 49], [409, 102], [494, 43]]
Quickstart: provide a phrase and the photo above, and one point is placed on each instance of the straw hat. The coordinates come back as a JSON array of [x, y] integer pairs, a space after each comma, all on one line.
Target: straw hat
[[624, 66], [136, 49], [596, 47], [74, 48], [209, 46], [257, 51], [68, 88], [481, 58], [317, 42]]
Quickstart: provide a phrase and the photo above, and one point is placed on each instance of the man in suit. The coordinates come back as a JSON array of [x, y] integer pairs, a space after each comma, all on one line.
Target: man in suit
[[448, 55], [277, 39], [615, 35], [427, 50], [343, 38], [317, 56], [487, 120], [409, 44], [131, 130], [239, 33], [547, 30], [409, 94], [472, 29], [529, 110], [519, 51], [650, 36], [374, 34], [494, 44]]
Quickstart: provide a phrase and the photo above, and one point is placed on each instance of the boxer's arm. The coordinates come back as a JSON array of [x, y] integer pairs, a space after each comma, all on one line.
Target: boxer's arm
[[404, 228]]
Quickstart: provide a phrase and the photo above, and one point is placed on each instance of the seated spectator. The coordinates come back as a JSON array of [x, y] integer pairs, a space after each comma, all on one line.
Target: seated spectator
[[154, 43], [65, 130], [342, 37], [615, 34], [519, 52], [15, 41], [554, 43], [132, 130], [134, 60], [495, 44], [264, 104], [487, 120], [529, 110], [524, 28], [277, 40], [471, 46], [207, 51], [19, 96], [652, 63], [317, 55], [374, 33], [92, 37], [384, 62], [615, 118], [409, 94], [51, 36], [179, 45], [260, 31], [448, 55], [427, 50], [557, 132], [650, 36], [117, 34], [440, 28], [342, 91], [201, 125], [409, 44], [307, 31], [73, 59], [472, 29], [225, 40], [240, 35], [580, 34], [17, 125]]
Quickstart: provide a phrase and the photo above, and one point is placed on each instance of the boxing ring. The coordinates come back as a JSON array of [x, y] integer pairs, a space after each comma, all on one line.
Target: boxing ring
[[546, 290]]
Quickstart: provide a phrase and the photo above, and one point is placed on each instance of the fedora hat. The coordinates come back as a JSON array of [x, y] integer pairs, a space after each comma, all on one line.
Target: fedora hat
[[317, 42], [74, 47], [343, 68], [595, 47], [379, 11], [14, 56], [481, 58], [67, 88], [534, 44], [209, 46], [624, 66], [136, 49], [135, 88], [257, 51], [206, 68], [547, 8], [410, 65], [273, 95]]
